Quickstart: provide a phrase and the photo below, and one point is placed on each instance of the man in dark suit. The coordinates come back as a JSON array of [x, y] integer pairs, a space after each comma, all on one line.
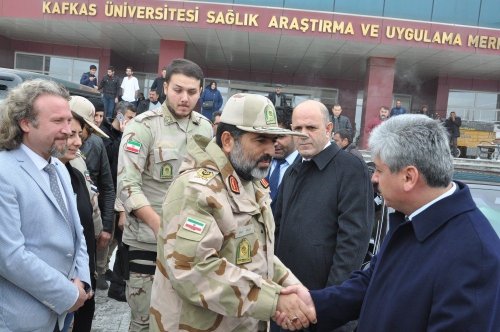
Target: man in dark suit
[[277, 98], [440, 262], [44, 265], [159, 85], [453, 124], [324, 209], [340, 122]]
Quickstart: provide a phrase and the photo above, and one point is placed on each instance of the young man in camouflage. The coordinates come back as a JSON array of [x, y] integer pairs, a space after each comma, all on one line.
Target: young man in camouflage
[[216, 265], [152, 148]]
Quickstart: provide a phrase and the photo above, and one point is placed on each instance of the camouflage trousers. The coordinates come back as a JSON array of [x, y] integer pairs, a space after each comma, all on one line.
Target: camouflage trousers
[[139, 298]]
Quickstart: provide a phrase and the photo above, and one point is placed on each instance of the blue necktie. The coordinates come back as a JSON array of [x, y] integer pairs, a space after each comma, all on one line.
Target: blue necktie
[[274, 179]]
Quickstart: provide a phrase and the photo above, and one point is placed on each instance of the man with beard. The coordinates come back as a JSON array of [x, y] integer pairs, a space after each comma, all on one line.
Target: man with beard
[[152, 148], [44, 266], [216, 265]]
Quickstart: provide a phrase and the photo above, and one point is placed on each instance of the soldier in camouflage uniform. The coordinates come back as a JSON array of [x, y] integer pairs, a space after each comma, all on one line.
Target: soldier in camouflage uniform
[[151, 151], [216, 269]]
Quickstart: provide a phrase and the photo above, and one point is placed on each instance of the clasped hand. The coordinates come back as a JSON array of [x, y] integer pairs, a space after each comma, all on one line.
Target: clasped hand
[[295, 309]]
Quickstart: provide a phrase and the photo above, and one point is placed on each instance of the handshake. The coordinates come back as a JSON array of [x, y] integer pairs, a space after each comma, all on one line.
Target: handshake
[[295, 309]]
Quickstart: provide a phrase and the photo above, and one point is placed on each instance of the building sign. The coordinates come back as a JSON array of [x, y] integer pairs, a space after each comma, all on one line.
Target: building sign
[[328, 25]]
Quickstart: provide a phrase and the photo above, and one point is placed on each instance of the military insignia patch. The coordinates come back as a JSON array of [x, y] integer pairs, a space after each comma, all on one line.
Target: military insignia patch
[[233, 184], [133, 146], [205, 174], [166, 172], [270, 115], [243, 252], [264, 183], [193, 225]]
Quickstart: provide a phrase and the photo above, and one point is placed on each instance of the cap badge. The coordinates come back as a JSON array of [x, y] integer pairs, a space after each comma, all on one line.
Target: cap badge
[[270, 115]]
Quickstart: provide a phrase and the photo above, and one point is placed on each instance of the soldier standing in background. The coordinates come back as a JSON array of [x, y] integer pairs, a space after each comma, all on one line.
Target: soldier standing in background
[[152, 148]]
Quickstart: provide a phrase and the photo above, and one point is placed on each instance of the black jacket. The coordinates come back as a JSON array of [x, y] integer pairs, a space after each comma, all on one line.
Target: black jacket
[[85, 210], [453, 127], [97, 162], [112, 145], [272, 98], [110, 86], [158, 86], [324, 215], [144, 106]]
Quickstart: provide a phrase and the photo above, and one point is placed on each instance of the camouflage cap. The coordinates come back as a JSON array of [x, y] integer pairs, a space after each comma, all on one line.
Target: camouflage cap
[[84, 108], [253, 113]]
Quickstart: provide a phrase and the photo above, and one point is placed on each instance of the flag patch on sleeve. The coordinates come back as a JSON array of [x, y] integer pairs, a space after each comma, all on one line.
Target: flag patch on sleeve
[[133, 146], [193, 225]]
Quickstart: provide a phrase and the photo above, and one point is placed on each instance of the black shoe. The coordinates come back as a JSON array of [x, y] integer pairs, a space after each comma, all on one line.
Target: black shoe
[[108, 275], [117, 292], [101, 283]]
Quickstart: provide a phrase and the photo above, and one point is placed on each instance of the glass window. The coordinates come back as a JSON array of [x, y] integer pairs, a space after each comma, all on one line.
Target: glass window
[[323, 5], [29, 62], [478, 106], [409, 9], [456, 11], [405, 101], [70, 69], [61, 68], [488, 16], [363, 7]]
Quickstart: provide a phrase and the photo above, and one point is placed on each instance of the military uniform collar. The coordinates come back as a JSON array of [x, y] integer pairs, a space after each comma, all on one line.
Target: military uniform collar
[[247, 196], [194, 117]]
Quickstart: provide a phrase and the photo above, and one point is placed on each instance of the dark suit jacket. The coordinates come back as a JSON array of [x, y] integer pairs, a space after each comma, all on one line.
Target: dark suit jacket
[[272, 98], [440, 272], [324, 217]]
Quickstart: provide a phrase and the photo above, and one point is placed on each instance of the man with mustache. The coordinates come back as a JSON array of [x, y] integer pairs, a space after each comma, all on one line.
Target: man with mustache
[[44, 265], [216, 265], [152, 148]]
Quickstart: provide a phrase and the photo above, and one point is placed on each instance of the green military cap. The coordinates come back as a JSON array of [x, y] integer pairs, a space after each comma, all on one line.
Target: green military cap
[[253, 113]]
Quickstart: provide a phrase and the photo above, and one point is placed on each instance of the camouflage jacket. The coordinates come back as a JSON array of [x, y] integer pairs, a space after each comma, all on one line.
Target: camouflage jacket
[[216, 269], [152, 148]]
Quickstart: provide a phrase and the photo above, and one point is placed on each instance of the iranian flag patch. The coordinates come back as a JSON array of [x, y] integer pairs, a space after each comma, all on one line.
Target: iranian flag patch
[[133, 146], [194, 225]]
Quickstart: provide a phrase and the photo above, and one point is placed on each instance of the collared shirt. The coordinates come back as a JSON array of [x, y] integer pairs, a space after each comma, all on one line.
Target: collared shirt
[[283, 167], [40, 163], [440, 197], [327, 145]]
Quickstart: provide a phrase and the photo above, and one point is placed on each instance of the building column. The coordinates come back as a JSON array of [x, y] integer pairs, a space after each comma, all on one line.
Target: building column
[[379, 82], [170, 50]]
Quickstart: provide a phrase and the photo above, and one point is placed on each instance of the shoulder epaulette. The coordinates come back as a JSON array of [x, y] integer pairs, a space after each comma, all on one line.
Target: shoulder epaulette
[[203, 176]]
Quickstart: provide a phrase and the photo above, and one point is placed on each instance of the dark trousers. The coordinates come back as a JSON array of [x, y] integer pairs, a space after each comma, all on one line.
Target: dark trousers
[[118, 273]]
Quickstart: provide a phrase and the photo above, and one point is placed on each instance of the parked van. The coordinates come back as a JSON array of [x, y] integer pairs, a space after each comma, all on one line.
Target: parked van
[[10, 78]]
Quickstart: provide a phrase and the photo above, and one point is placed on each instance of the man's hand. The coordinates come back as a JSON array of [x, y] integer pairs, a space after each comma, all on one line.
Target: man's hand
[[103, 240], [289, 319], [82, 296], [121, 220]]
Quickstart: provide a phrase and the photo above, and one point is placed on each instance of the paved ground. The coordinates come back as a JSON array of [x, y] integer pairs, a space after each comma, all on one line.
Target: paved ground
[[110, 315]]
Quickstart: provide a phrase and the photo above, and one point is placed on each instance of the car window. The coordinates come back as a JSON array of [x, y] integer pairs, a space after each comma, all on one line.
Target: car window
[[488, 201]]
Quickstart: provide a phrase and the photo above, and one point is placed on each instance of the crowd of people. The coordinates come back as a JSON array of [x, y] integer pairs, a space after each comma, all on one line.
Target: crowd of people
[[256, 217]]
